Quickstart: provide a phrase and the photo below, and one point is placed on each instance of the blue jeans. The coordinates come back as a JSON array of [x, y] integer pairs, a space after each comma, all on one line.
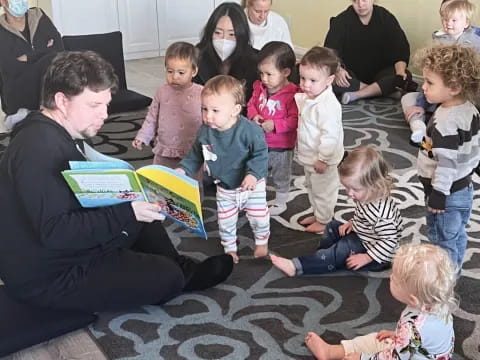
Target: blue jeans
[[333, 252], [447, 230]]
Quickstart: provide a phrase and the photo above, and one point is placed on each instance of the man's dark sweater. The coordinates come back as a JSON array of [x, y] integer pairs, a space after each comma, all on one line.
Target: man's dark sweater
[[368, 49], [43, 226]]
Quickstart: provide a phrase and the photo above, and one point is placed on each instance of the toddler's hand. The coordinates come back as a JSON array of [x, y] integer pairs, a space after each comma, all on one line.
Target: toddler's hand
[[268, 125], [137, 144], [385, 334], [345, 229], [180, 171], [353, 356], [413, 110], [341, 77], [436, 211], [356, 261], [249, 182], [320, 166], [258, 119]]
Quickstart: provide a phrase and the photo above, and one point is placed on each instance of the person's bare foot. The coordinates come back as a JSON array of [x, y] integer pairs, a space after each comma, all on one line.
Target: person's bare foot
[[315, 227], [234, 255], [260, 251], [285, 265], [318, 347], [308, 220]]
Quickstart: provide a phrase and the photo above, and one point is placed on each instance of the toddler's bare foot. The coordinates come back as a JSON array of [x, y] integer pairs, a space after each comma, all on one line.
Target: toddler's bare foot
[[285, 265], [308, 220], [318, 347], [315, 227], [260, 251], [234, 255]]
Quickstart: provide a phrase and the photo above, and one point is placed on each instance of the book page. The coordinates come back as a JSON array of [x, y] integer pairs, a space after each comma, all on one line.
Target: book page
[[96, 188], [177, 195]]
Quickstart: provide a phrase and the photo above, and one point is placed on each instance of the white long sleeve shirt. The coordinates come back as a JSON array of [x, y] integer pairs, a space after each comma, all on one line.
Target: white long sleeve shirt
[[274, 28], [320, 129]]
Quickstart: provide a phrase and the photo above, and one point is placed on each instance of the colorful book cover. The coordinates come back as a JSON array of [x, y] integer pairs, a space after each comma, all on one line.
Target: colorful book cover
[[104, 181]]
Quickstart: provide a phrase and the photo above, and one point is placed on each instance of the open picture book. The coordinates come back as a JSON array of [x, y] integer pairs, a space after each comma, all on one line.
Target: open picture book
[[102, 180]]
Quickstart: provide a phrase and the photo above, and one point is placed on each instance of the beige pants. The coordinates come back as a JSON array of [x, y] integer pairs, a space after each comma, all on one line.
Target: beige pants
[[322, 192], [367, 344]]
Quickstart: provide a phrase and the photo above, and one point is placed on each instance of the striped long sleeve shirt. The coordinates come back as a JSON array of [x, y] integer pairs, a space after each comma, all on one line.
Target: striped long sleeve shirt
[[450, 152], [378, 224]]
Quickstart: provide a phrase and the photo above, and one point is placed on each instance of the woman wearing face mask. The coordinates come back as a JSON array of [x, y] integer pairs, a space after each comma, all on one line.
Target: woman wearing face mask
[[225, 47], [374, 51], [265, 25], [29, 41]]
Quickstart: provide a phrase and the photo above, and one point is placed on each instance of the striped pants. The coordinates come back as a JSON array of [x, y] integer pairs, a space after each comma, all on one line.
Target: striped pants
[[254, 202]]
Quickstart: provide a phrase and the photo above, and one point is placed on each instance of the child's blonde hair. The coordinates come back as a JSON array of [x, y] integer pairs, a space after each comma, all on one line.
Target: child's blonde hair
[[182, 50], [458, 66], [426, 271], [462, 6], [321, 57], [225, 84], [370, 168]]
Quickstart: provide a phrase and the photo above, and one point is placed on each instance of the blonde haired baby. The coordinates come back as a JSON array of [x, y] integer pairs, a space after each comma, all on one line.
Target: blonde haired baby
[[423, 278], [370, 239]]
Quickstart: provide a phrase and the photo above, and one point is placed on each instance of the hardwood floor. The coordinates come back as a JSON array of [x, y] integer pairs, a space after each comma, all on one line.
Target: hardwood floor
[[144, 76]]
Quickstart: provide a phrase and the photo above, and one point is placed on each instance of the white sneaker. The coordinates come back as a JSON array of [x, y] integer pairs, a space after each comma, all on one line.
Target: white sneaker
[[277, 209]]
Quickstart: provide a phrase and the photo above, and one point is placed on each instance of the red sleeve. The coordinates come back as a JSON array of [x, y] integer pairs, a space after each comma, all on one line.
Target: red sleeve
[[252, 106]]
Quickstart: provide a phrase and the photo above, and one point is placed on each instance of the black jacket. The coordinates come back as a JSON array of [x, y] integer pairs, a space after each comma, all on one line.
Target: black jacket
[[367, 49], [244, 68], [20, 81], [47, 237]]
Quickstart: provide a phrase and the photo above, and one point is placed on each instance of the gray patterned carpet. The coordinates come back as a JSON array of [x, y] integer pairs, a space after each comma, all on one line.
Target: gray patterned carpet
[[260, 314]]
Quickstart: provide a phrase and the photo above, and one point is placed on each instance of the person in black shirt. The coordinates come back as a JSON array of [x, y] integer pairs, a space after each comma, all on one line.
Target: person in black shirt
[[29, 42], [374, 52], [53, 252], [225, 47]]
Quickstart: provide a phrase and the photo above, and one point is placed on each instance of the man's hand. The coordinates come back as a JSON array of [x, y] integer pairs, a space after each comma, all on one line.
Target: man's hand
[[341, 77], [22, 58], [146, 212], [413, 110], [385, 334], [137, 144], [249, 182], [320, 166], [268, 125], [258, 119], [356, 261], [345, 229]]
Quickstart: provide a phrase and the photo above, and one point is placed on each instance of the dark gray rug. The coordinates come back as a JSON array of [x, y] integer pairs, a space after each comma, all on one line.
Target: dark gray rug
[[260, 314]]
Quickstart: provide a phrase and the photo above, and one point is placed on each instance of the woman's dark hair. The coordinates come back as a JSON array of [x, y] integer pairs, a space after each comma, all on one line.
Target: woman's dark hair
[[281, 53], [240, 26], [71, 72]]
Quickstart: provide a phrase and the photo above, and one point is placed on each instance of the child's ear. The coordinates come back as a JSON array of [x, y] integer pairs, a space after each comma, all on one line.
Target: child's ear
[[237, 109], [413, 301], [195, 71], [455, 90], [330, 79], [286, 72]]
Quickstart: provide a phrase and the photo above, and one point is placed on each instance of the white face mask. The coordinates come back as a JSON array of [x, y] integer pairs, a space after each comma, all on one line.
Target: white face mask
[[224, 47]]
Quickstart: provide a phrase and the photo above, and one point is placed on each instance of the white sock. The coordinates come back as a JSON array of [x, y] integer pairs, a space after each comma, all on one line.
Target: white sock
[[348, 97]]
